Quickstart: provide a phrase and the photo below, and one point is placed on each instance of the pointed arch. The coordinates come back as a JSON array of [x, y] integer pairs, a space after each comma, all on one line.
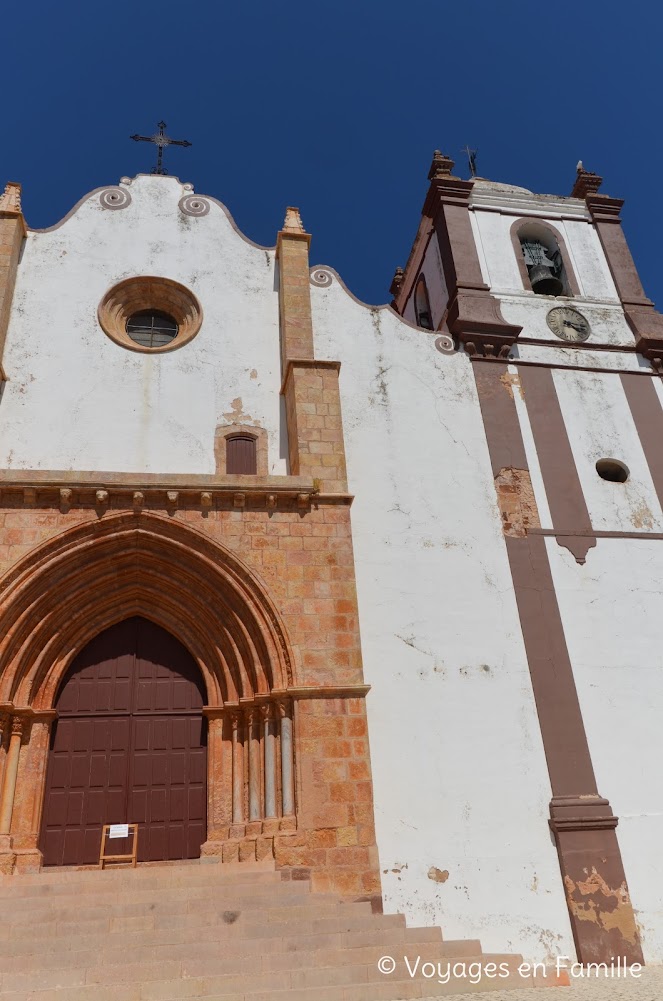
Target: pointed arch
[[89, 577]]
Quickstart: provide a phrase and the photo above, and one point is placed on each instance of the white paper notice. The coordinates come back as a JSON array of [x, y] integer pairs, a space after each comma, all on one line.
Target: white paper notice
[[118, 831]]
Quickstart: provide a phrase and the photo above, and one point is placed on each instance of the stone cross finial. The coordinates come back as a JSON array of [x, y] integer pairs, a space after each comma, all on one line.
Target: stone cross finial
[[293, 221], [586, 182], [441, 166], [10, 201]]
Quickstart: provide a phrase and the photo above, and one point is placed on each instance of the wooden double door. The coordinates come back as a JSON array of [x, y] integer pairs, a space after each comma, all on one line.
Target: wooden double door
[[128, 746]]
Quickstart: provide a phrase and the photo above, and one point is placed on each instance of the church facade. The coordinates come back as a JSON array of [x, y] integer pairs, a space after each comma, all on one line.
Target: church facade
[[371, 592]]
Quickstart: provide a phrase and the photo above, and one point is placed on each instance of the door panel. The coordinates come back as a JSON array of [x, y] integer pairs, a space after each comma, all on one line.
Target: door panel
[[129, 746]]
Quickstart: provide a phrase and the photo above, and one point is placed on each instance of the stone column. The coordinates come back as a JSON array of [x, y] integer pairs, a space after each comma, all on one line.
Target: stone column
[[270, 761], [287, 771], [11, 771], [29, 797], [253, 736], [238, 769], [5, 728], [215, 778]]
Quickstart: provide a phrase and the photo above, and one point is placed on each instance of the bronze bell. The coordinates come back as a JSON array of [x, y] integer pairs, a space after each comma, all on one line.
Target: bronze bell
[[544, 282]]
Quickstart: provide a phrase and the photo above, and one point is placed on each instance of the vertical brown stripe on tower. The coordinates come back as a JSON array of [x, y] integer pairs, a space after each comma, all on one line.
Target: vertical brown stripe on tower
[[560, 476], [600, 910], [648, 418], [505, 442]]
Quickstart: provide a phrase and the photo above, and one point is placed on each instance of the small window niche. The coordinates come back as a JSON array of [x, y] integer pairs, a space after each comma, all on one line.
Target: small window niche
[[543, 261], [422, 310], [240, 450], [241, 455]]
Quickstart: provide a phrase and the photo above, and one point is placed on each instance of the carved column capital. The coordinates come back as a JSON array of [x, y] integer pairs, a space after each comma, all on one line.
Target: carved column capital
[[282, 708], [20, 726]]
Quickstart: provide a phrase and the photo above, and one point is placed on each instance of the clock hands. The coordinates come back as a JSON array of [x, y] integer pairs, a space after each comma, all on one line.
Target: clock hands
[[568, 323]]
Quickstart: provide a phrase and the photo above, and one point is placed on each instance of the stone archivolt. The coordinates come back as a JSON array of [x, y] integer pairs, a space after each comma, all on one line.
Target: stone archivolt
[[92, 576]]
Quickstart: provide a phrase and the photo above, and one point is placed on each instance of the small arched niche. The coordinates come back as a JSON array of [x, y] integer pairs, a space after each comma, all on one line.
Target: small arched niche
[[542, 259], [422, 310]]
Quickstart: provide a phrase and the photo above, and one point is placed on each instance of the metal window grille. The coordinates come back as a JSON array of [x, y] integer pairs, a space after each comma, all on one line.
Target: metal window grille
[[151, 329]]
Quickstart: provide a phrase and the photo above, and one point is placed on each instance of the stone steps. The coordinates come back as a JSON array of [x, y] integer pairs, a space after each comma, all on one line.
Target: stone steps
[[212, 931]]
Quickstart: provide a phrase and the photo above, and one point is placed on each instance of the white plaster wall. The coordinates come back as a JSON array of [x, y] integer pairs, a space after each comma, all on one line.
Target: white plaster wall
[[611, 609], [77, 400], [600, 426], [598, 300], [458, 768]]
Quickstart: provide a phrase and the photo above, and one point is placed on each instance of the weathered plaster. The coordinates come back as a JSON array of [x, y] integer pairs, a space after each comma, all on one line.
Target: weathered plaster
[[451, 711], [611, 613], [601, 426], [77, 400]]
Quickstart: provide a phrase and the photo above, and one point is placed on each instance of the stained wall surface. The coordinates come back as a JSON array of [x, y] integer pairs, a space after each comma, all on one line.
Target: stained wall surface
[[77, 400], [461, 786]]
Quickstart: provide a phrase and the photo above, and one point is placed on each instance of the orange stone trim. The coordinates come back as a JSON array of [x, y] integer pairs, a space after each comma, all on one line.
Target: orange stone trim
[[315, 425], [86, 579], [294, 289], [263, 597], [12, 234], [147, 292]]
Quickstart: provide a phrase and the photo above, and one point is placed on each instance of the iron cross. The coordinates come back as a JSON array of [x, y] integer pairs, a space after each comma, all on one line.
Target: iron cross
[[472, 159], [160, 140]]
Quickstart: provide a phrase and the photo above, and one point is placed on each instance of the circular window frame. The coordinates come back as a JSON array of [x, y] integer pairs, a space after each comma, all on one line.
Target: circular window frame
[[147, 292], [609, 465]]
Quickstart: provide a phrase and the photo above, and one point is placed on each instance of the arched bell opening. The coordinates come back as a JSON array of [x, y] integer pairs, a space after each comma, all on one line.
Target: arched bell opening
[[543, 259], [422, 307]]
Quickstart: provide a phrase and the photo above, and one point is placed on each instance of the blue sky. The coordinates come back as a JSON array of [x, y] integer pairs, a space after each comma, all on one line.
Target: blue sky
[[337, 108]]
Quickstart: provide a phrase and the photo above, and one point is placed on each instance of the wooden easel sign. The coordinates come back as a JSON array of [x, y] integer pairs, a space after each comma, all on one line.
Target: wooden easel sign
[[113, 831]]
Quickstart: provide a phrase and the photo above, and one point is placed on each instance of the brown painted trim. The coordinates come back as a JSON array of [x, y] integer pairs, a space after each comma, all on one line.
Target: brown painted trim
[[414, 263], [594, 534], [581, 820], [519, 224], [558, 469], [562, 728], [505, 441], [605, 213], [648, 418], [521, 362], [643, 319], [586, 345], [474, 315]]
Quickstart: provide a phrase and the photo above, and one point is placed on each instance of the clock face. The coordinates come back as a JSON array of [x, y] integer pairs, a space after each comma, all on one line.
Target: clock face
[[568, 324]]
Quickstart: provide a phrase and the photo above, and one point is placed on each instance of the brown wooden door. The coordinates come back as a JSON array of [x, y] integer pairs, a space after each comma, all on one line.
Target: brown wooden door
[[129, 746]]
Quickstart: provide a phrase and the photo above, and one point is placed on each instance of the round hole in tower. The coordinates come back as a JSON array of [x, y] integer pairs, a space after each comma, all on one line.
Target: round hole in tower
[[613, 470]]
